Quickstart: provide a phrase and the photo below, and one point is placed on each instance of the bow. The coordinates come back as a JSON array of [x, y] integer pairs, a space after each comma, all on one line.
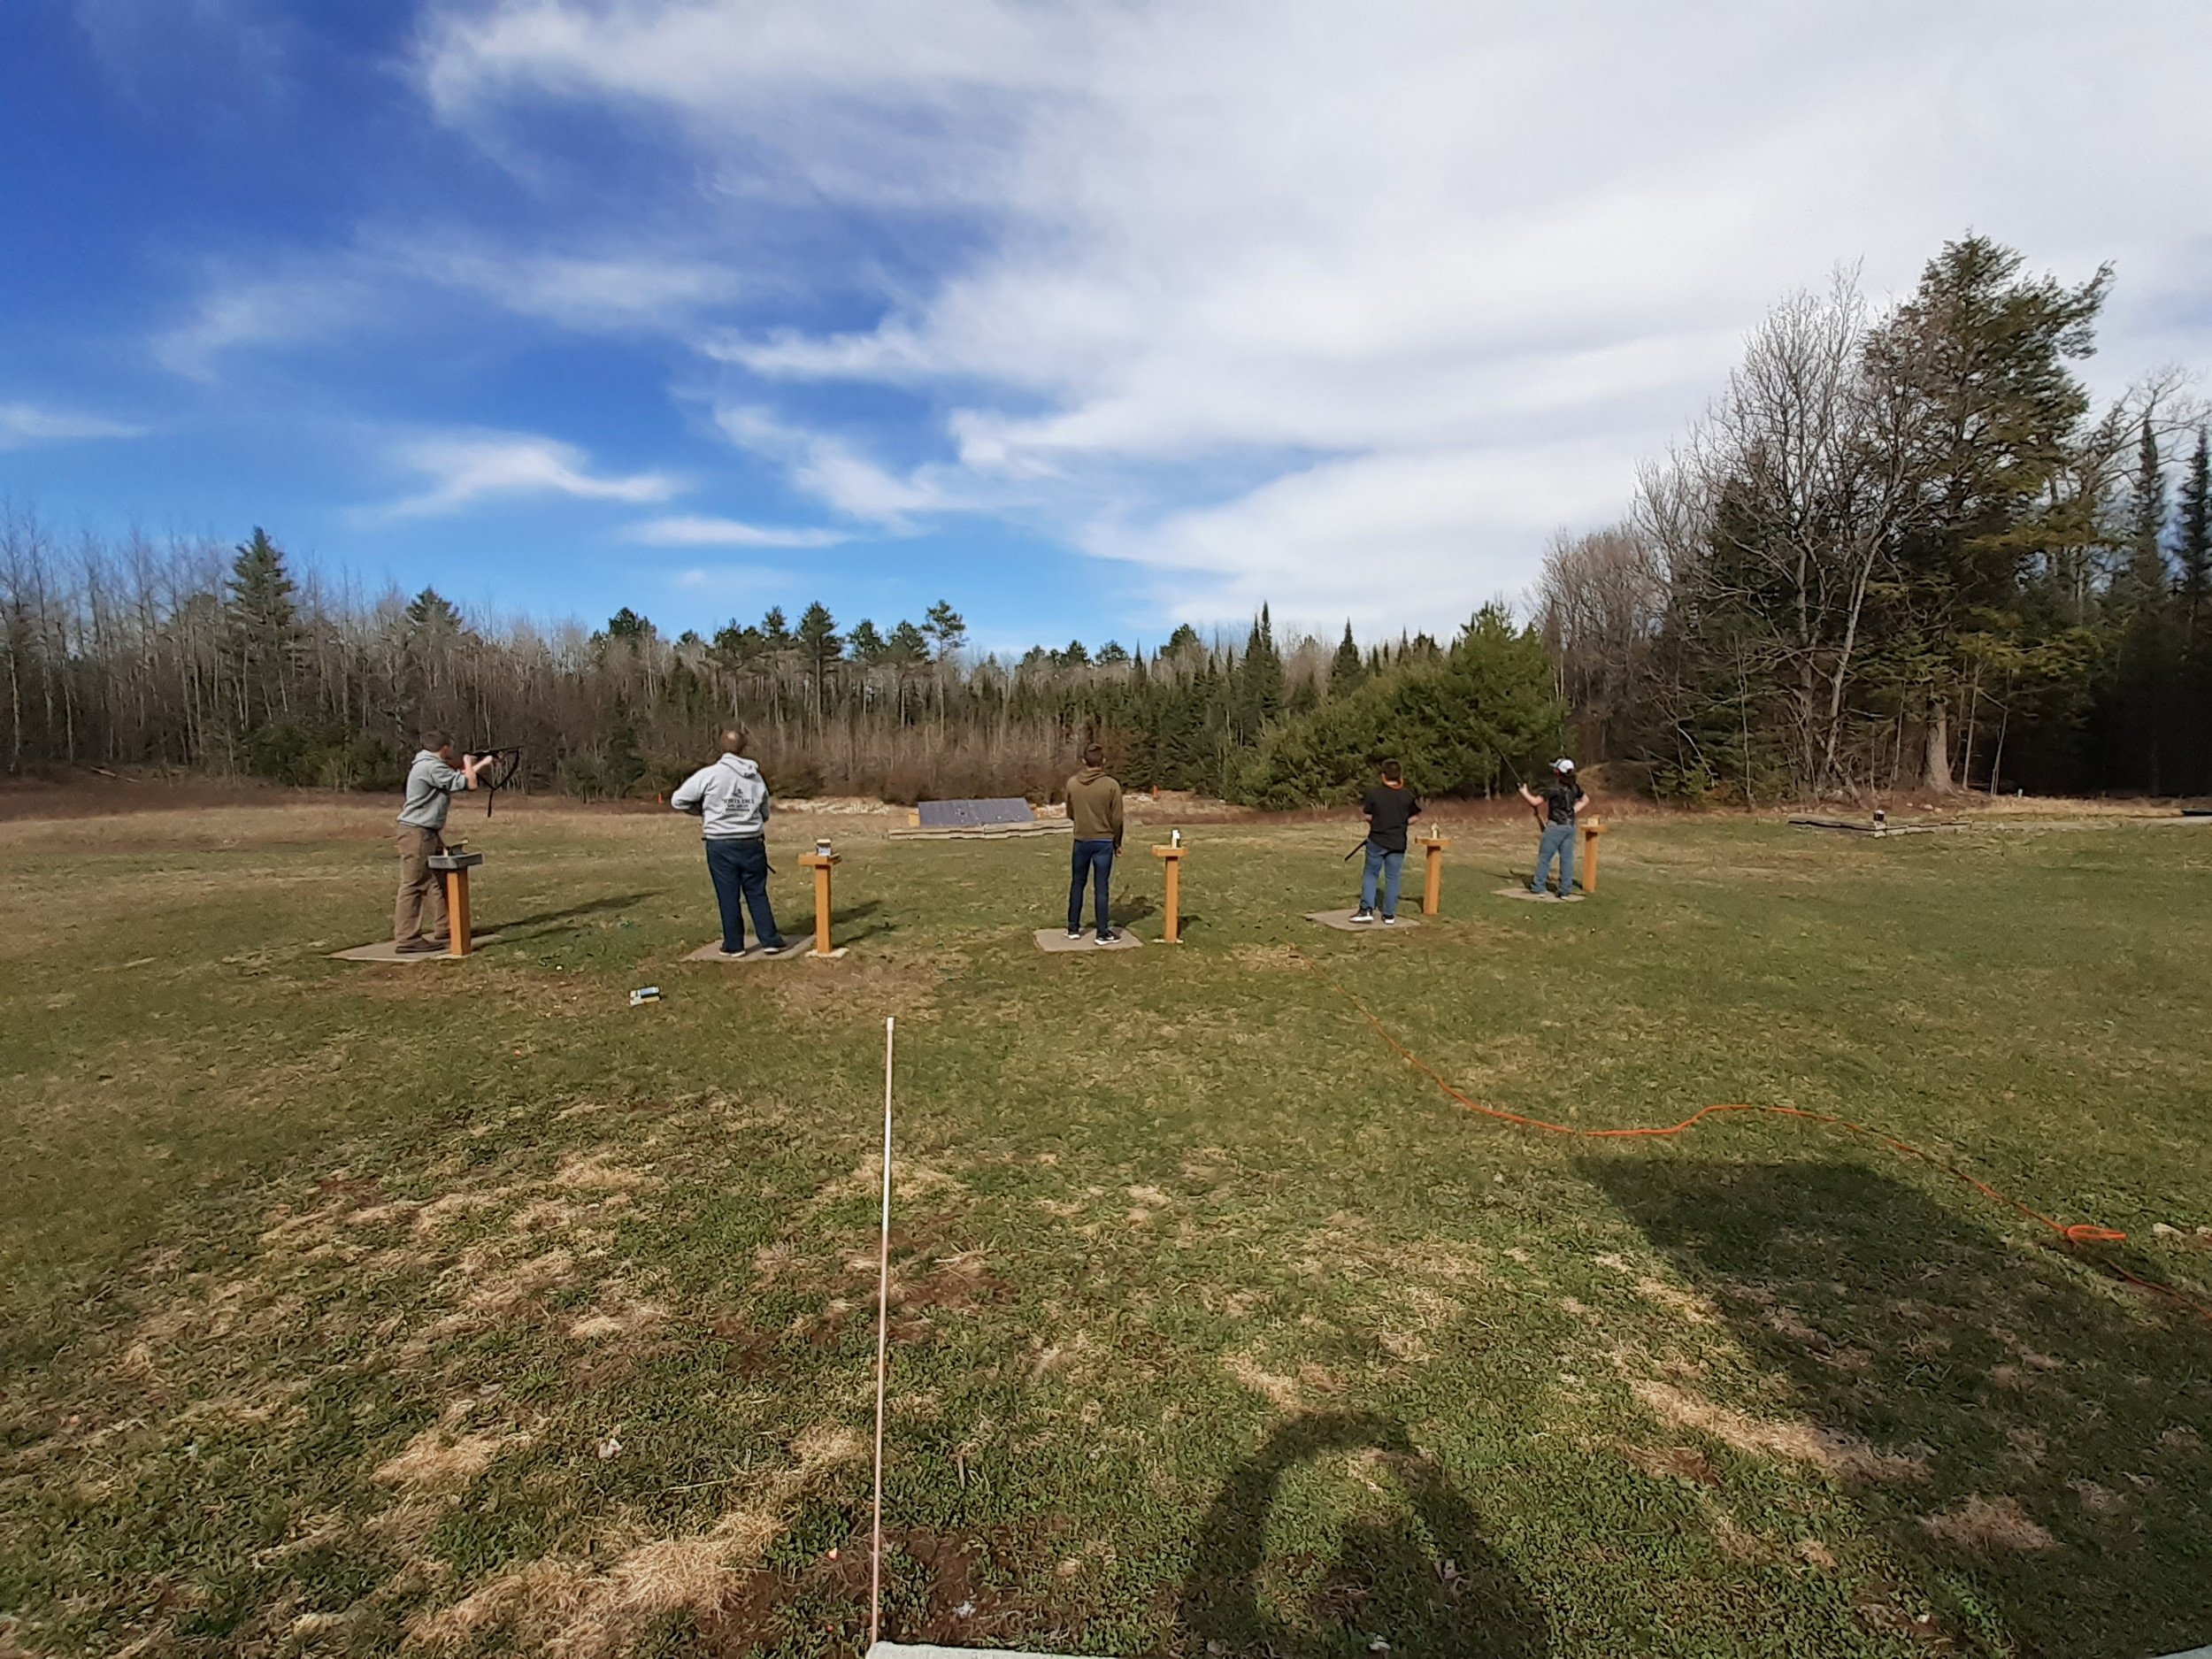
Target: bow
[[503, 763]]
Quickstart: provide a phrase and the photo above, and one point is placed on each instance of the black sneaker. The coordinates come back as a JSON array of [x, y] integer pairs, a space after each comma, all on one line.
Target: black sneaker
[[776, 950], [1363, 914], [1107, 938], [1075, 933], [1389, 921]]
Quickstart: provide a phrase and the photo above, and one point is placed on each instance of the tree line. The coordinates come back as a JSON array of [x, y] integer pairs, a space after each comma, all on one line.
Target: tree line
[[189, 655], [1904, 549]]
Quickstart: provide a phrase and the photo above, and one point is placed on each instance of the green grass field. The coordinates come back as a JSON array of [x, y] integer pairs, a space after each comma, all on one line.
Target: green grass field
[[463, 1308]]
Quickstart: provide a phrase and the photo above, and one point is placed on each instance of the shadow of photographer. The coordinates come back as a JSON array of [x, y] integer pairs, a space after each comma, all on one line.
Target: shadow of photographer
[[1410, 1566]]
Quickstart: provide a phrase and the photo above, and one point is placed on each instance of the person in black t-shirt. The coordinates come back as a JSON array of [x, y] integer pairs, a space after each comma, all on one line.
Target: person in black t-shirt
[[1389, 807], [1561, 799]]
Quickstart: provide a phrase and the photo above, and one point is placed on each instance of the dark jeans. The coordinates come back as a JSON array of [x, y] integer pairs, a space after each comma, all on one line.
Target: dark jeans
[[739, 864], [1094, 862]]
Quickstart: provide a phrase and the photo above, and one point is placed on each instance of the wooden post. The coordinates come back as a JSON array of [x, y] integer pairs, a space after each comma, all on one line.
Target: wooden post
[[822, 864], [1587, 874], [1173, 857], [1432, 893], [460, 928]]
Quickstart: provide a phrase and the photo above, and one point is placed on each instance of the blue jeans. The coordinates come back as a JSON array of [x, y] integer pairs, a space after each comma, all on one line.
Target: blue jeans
[[1390, 866], [1093, 861], [739, 865], [1559, 840]]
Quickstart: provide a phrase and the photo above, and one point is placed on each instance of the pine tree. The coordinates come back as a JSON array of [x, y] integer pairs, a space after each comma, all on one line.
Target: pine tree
[[430, 613], [863, 644], [947, 629], [819, 646], [2144, 582], [2193, 547], [261, 623], [1260, 680], [2146, 733], [1975, 369], [1346, 670], [2192, 552]]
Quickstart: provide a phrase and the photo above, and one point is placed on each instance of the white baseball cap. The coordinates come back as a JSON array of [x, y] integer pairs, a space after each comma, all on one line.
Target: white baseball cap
[[1562, 765]]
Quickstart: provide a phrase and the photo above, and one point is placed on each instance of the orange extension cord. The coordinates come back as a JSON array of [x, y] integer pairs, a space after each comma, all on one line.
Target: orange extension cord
[[2079, 1233]]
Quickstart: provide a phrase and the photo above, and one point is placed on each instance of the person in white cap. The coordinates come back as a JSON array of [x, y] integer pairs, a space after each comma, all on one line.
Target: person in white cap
[[1561, 799]]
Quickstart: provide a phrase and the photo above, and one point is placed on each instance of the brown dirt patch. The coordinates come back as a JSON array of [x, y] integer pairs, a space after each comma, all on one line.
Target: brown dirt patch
[[1989, 1526], [1842, 1455], [1673, 1462]]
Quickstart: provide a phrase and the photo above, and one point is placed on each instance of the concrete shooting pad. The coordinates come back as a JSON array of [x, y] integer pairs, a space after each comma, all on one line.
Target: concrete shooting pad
[[792, 952], [1516, 891], [384, 950], [1056, 940], [1341, 920], [929, 1650]]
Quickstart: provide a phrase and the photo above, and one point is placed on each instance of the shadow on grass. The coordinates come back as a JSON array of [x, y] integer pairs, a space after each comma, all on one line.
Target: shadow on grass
[[544, 920], [1423, 1578], [1132, 909], [2031, 1396]]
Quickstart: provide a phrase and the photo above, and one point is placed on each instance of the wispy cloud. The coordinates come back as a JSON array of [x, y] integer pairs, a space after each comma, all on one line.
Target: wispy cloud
[[23, 425], [466, 467], [234, 314], [704, 531], [833, 471]]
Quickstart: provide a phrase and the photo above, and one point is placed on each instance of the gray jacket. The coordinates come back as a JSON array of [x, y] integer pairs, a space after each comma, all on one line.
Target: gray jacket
[[731, 798], [431, 786]]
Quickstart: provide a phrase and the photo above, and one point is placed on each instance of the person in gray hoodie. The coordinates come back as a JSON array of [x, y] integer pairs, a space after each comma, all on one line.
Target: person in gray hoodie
[[731, 800], [433, 780]]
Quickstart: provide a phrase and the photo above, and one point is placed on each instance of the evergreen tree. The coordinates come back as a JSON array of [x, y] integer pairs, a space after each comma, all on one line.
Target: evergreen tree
[[947, 629], [906, 644], [2192, 546], [1260, 683], [626, 623], [819, 647], [1346, 669], [2145, 734], [1982, 409], [261, 626], [863, 644], [431, 614]]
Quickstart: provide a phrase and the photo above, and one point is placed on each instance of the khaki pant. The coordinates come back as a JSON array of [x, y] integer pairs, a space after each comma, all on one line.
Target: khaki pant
[[421, 903]]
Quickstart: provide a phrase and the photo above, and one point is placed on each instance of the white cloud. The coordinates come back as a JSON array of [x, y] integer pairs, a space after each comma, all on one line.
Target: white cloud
[[23, 425], [702, 532], [830, 469], [586, 291], [253, 312], [465, 467], [1278, 301]]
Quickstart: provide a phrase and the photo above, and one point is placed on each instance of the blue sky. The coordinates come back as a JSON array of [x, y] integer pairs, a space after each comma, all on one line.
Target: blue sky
[[1087, 319]]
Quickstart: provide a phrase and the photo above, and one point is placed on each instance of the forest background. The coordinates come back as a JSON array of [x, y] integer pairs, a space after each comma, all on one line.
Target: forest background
[[1903, 552]]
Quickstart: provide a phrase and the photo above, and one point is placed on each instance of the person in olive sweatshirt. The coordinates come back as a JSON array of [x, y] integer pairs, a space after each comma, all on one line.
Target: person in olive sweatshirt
[[1094, 808]]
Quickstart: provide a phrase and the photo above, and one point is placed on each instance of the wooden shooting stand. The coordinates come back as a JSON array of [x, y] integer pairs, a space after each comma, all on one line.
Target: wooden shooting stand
[[1586, 873], [1432, 891], [822, 864], [454, 868], [1172, 858]]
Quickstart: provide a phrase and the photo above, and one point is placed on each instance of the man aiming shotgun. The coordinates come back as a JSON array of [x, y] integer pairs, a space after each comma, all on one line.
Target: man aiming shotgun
[[433, 780]]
